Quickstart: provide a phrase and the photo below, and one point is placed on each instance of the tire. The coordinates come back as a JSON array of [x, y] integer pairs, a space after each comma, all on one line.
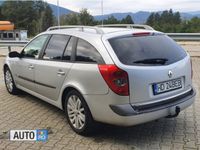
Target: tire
[[78, 114], [9, 82]]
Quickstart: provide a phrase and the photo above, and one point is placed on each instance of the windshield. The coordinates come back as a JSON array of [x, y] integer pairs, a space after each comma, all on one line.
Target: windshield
[[147, 50]]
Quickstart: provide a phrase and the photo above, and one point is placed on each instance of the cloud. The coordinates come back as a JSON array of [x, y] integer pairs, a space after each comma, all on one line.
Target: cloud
[[110, 6]]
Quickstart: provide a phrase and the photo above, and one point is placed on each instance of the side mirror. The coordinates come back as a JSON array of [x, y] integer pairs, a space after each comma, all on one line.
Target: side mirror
[[14, 54]]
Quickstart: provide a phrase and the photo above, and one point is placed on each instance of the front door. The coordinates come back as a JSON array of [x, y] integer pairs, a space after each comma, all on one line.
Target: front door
[[25, 66]]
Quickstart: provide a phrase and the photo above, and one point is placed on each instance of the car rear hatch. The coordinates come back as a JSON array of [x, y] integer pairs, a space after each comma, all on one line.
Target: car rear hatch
[[158, 69]]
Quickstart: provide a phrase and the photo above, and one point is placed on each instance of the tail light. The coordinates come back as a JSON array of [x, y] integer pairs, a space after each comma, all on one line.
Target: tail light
[[141, 34], [116, 79], [191, 69]]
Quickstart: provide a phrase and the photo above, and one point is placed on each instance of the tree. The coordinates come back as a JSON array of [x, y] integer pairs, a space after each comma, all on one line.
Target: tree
[[81, 18], [151, 19], [177, 18], [191, 26], [20, 13], [127, 20], [1, 15], [111, 20], [69, 19], [167, 21], [85, 18], [47, 18], [34, 16]]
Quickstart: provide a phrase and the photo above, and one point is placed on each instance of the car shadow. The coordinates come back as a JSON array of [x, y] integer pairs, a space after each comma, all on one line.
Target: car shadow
[[138, 136]]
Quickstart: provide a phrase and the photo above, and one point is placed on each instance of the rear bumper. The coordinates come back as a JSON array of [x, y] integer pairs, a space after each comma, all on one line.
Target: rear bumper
[[136, 114], [129, 110]]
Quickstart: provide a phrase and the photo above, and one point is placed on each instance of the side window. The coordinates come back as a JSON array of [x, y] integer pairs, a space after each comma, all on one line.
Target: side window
[[68, 51], [5, 35], [85, 52], [33, 49], [55, 48], [10, 35]]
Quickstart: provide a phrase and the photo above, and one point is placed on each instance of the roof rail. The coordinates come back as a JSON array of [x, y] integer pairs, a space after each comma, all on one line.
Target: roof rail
[[81, 28], [131, 26]]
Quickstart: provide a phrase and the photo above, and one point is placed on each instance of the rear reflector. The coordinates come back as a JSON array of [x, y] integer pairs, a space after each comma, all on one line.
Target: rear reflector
[[116, 79]]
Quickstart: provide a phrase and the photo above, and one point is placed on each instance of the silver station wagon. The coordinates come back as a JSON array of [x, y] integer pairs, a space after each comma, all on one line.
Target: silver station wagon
[[115, 74]]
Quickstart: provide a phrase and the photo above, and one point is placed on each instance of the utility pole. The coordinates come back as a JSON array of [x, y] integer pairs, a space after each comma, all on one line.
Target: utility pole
[[102, 11], [58, 12]]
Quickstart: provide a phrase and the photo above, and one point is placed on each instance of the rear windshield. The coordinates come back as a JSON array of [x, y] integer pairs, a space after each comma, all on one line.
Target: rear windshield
[[147, 50]]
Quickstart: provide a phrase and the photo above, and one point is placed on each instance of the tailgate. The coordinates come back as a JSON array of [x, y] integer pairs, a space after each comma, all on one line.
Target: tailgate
[[154, 83]]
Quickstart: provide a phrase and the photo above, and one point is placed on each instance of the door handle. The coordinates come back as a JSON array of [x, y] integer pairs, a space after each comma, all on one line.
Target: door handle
[[60, 73], [30, 67]]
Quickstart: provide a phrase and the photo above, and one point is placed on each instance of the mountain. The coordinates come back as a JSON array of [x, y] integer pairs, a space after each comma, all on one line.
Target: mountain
[[54, 9], [62, 10], [138, 17], [1, 2], [194, 12], [141, 16], [186, 16]]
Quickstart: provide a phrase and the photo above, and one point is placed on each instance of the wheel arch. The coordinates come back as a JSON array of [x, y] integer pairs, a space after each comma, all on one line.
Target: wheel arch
[[90, 124], [5, 66], [66, 91]]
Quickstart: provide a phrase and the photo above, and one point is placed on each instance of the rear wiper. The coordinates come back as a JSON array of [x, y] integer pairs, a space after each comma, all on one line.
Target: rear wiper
[[161, 61]]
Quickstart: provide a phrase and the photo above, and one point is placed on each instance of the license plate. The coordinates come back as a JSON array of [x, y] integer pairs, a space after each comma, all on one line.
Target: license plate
[[167, 86]]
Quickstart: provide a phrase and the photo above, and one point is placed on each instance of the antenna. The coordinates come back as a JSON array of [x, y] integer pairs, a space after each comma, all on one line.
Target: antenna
[[58, 12], [102, 12]]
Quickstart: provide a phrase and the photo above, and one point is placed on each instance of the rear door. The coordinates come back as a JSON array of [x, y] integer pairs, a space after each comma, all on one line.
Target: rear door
[[157, 67], [54, 66], [84, 73]]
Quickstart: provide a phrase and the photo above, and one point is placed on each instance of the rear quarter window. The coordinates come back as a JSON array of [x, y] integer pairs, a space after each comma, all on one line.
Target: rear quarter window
[[85, 52], [133, 49]]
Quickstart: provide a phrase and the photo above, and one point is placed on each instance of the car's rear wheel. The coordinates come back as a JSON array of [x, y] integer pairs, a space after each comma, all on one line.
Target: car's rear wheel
[[9, 82], [78, 113]]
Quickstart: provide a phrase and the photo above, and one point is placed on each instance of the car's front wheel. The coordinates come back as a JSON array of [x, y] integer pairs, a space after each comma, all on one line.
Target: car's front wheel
[[78, 113], [9, 82]]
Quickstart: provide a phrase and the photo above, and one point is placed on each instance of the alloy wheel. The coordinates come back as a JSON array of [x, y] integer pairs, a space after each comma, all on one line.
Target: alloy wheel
[[9, 81], [76, 112]]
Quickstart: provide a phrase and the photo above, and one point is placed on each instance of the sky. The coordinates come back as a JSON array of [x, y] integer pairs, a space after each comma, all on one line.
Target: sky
[[113, 6]]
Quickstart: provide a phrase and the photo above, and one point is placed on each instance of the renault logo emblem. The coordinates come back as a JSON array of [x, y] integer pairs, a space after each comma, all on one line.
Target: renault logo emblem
[[170, 74]]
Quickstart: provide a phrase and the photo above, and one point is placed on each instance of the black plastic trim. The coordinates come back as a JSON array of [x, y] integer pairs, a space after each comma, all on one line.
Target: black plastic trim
[[33, 81], [129, 110], [161, 103]]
